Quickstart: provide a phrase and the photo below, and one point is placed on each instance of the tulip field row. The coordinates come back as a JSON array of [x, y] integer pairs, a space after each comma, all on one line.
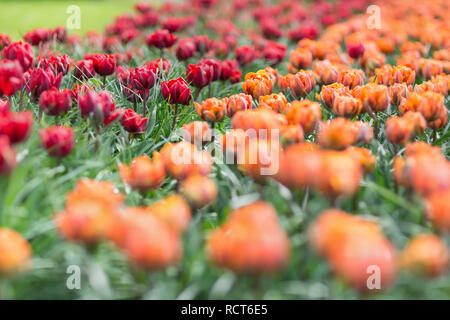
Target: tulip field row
[[207, 149]]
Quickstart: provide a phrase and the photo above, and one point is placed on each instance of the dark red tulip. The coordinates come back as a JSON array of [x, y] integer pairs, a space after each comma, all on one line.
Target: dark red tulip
[[58, 141], [199, 75], [308, 31], [215, 66], [203, 44], [221, 49], [11, 77], [236, 76], [59, 34], [161, 38], [104, 64], [40, 80], [143, 7], [84, 69], [7, 156], [116, 114], [133, 122], [142, 78], [185, 49], [100, 104], [245, 54], [176, 91], [173, 24], [37, 36], [355, 50], [20, 51], [55, 102], [270, 29], [159, 65], [58, 63], [147, 19], [227, 68], [4, 107], [16, 126], [274, 52], [5, 40]]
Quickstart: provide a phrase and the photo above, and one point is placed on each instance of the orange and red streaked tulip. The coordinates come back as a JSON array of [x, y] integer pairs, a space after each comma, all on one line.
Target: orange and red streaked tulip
[[15, 252], [143, 174]]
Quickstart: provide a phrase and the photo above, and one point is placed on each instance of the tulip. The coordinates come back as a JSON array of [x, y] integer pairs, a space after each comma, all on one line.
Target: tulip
[[20, 51], [199, 191], [326, 73], [427, 254], [431, 105], [37, 36], [143, 79], [161, 39], [351, 77], [199, 75], [185, 49], [133, 122], [364, 157], [329, 92], [340, 133], [305, 113], [17, 126], [55, 102], [4, 107], [146, 240], [104, 65], [87, 190], [344, 106], [245, 55], [437, 208], [84, 69], [177, 92], [211, 110], [257, 84], [100, 105], [159, 65], [15, 252], [197, 133], [173, 210], [260, 122], [291, 134], [238, 102], [143, 174], [203, 44], [398, 92], [251, 241], [7, 156], [41, 80], [375, 98], [10, 77], [300, 84], [5, 40], [355, 50], [58, 63], [275, 102], [183, 159], [300, 58], [58, 141]]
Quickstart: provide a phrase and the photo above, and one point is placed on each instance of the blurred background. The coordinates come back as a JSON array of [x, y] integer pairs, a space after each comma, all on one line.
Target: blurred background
[[19, 16]]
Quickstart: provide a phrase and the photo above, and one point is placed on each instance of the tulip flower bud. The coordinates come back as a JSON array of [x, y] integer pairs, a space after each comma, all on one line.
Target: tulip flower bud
[[10, 77], [143, 174], [440, 122], [142, 78], [300, 59], [300, 84], [239, 102], [15, 252], [291, 134], [133, 122], [5, 40], [329, 92], [203, 44], [100, 104], [7, 156], [351, 77], [199, 191], [426, 254], [430, 68], [58, 141], [259, 122], [275, 102], [245, 55], [185, 49], [176, 91], [54, 102], [399, 130], [398, 92], [431, 105], [305, 113], [325, 72], [211, 110], [338, 134], [199, 75], [41, 80]]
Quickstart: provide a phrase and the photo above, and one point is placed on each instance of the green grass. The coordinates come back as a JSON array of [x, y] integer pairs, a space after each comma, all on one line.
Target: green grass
[[20, 16]]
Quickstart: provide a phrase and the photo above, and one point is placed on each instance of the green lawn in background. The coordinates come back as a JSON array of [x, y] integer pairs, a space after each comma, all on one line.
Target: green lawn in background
[[19, 16]]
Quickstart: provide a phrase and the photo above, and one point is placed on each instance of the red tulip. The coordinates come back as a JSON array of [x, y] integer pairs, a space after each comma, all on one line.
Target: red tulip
[[16, 126], [227, 68], [203, 44], [161, 39], [5, 40], [133, 122], [185, 49], [148, 19], [84, 69], [59, 34], [54, 102], [142, 78], [99, 104], [236, 76], [58, 63], [41, 80], [245, 55], [11, 75], [355, 50], [7, 156], [21, 52], [159, 65], [173, 24], [176, 91], [199, 75], [113, 116], [37, 36], [58, 141], [104, 64]]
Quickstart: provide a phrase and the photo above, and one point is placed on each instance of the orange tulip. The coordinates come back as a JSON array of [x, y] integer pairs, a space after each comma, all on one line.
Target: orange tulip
[[305, 113], [199, 191], [15, 252], [276, 102], [211, 110]]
